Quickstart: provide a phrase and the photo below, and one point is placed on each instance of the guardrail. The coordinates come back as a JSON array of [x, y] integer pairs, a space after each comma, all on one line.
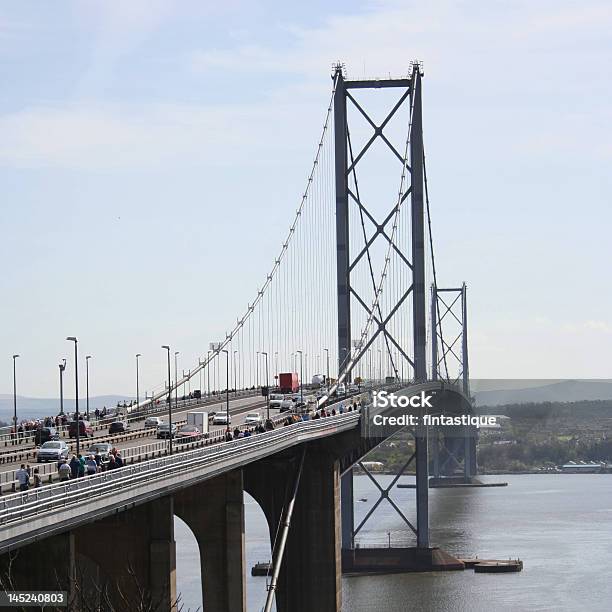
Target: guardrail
[[35, 501], [20, 506], [152, 450], [12, 439]]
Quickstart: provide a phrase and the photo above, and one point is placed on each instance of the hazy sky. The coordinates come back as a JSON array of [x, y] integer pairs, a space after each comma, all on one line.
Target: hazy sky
[[148, 145]]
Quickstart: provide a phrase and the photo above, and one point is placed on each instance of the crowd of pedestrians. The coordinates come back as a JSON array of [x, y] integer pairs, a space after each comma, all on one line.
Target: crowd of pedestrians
[[89, 465]]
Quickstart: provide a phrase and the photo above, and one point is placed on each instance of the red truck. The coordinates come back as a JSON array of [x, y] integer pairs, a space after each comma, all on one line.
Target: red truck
[[288, 382]]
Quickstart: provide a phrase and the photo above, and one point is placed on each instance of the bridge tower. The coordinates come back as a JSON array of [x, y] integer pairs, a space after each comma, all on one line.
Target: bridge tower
[[412, 254], [450, 362]]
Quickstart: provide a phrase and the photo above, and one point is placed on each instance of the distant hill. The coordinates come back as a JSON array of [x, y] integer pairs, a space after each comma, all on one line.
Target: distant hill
[[37, 407], [561, 391]]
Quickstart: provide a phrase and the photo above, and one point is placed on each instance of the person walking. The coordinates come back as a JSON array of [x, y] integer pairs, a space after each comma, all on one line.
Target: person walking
[[23, 478], [81, 461], [37, 479], [91, 466], [74, 467], [64, 471]]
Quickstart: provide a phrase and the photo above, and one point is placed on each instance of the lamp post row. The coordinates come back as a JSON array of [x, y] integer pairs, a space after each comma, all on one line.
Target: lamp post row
[[62, 368]]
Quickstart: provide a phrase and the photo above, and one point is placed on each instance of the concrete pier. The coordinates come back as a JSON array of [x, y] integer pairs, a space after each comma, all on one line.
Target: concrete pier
[[214, 511]]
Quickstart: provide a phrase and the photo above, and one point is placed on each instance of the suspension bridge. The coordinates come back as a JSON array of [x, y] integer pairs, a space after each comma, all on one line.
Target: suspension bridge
[[351, 297]]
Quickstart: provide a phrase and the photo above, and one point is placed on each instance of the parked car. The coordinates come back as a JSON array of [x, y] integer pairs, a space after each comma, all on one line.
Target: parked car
[[188, 433], [253, 418], [44, 434], [152, 422], [220, 418], [100, 448], [53, 450], [85, 429], [118, 427], [163, 431]]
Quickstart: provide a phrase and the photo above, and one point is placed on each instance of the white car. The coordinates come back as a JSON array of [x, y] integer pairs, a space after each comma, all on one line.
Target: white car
[[152, 422], [221, 419], [253, 418], [275, 400]]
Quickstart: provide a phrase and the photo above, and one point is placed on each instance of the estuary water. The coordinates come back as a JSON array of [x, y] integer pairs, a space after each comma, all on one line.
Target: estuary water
[[559, 525]]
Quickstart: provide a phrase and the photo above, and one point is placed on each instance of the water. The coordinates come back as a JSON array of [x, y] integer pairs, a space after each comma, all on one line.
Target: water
[[560, 525]]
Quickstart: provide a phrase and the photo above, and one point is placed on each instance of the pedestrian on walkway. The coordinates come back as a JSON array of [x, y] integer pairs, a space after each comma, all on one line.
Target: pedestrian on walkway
[[37, 479], [81, 460], [74, 467], [91, 466], [23, 478]]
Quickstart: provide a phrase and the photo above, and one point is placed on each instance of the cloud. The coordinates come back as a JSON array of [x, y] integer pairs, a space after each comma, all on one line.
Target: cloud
[[459, 46], [599, 326]]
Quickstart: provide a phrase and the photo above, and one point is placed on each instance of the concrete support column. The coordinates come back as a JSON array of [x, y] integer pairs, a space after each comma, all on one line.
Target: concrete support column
[[162, 553], [214, 511], [422, 486], [130, 557], [348, 509], [45, 565], [311, 575]]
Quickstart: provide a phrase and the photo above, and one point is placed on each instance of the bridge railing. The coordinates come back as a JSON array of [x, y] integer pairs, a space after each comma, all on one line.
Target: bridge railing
[[27, 438], [20, 506]]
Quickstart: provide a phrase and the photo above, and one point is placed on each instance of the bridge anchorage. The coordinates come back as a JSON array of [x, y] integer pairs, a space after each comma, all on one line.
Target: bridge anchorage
[[352, 276]]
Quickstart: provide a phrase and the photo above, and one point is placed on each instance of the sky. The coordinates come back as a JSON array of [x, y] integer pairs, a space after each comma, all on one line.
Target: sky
[[147, 146]]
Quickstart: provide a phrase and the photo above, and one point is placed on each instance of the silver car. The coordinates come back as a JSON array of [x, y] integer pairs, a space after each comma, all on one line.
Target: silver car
[[100, 448], [54, 450]]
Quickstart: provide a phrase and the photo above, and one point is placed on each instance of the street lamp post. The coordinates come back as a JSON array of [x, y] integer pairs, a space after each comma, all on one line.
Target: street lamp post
[[268, 388], [76, 392], [327, 354], [301, 377], [137, 381], [208, 374], [176, 377], [235, 384], [62, 367], [227, 412], [169, 397], [257, 368], [87, 358], [15, 393]]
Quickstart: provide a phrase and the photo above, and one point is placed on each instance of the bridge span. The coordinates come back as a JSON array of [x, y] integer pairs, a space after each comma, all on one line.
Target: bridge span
[[128, 513]]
